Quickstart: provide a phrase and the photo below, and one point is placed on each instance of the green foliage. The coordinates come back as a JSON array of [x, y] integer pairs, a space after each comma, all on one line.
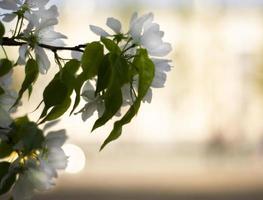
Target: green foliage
[[104, 74], [92, 59], [26, 136], [145, 68], [5, 66], [90, 63], [113, 94], [57, 94], [31, 74], [111, 45]]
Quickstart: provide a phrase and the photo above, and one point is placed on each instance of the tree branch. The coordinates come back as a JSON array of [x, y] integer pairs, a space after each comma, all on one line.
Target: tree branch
[[12, 42]]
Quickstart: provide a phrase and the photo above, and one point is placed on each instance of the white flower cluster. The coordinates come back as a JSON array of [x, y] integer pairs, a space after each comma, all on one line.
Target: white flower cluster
[[37, 169], [143, 32], [40, 28], [40, 171]]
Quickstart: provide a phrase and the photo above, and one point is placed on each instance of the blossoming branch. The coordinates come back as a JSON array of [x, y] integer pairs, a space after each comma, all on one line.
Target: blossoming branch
[[119, 70]]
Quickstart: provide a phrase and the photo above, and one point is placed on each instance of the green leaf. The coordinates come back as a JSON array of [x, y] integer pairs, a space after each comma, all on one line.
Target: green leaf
[[55, 93], [113, 95], [91, 59], [31, 74], [5, 66], [69, 74], [5, 149], [57, 111], [146, 72], [21, 121], [104, 74], [123, 70], [81, 78], [2, 31], [27, 136], [7, 178], [111, 45]]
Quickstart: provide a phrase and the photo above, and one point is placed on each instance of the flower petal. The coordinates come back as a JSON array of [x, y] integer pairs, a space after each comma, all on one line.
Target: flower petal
[[162, 64], [136, 27], [9, 5], [76, 55], [22, 54], [162, 50], [23, 188], [37, 3], [88, 92], [148, 96], [42, 59], [9, 17], [159, 80], [88, 110], [99, 31], [114, 24], [56, 138]]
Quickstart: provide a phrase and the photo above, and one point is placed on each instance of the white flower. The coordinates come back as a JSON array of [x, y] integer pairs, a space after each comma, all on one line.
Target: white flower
[[15, 5], [37, 178], [143, 32], [40, 173], [147, 34], [43, 33], [161, 67], [56, 157], [94, 103], [112, 23]]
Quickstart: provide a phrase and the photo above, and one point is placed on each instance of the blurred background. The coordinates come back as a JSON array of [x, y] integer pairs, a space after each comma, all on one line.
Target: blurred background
[[202, 135]]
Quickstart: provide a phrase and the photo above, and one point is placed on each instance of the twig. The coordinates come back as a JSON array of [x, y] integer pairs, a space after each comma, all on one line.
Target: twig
[[12, 42]]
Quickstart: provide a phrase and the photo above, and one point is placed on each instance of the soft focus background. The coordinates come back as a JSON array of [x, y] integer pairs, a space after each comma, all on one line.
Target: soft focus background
[[202, 135]]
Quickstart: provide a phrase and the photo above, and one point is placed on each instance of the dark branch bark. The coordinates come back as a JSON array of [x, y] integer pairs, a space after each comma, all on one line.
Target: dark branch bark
[[12, 42]]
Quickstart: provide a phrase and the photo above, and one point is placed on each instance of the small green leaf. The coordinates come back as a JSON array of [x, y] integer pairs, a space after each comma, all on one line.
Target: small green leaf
[[104, 74], [57, 111], [146, 72], [7, 178], [113, 95], [81, 78], [111, 45], [31, 71], [69, 74], [5, 149], [55, 93], [91, 59], [5, 66], [2, 31], [21, 121]]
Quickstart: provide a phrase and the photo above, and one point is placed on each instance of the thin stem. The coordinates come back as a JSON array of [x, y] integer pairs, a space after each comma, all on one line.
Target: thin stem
[[12, 42], [21, 25], [17, 22]]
